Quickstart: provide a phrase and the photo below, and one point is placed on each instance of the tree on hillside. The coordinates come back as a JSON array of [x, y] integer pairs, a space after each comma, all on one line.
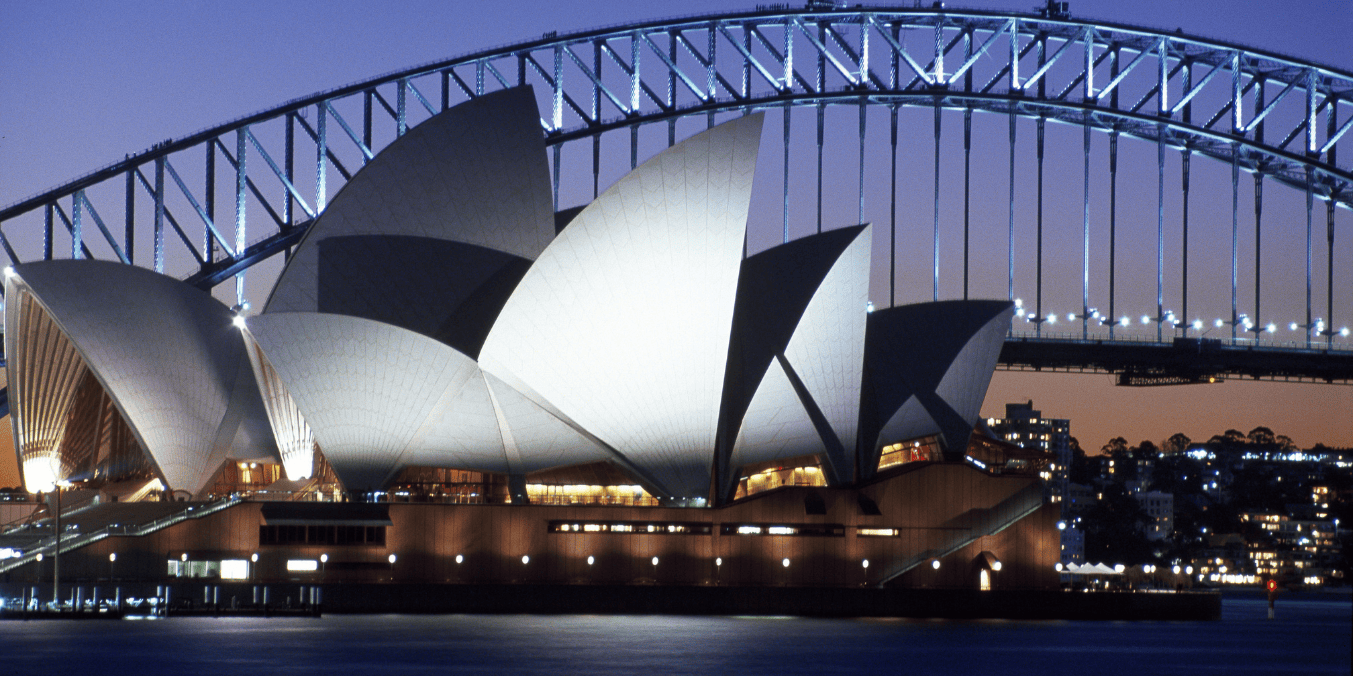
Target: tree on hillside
[[1116, 446], [1145, 450], [1080, 471], [1285, 442], [1234, 436], [1261, 436], [1177, 443]]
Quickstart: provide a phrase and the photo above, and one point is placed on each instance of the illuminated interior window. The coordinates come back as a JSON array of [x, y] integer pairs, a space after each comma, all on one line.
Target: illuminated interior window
[[302, 565], [579, 494], [799, 471], [449, 486], [924, 449], [631, 527], [181, 568], [796, 529], [878, 532], [235, 569]]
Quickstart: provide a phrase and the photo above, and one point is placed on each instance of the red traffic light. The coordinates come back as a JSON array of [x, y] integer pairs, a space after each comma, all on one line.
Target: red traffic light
[[1272, 585]]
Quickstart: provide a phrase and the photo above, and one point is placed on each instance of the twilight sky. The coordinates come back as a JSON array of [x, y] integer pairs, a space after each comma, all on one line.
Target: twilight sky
[[83, 84]]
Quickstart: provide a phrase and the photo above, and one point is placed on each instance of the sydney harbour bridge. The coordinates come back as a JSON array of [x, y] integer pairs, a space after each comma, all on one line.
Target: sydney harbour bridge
[[1067, 157]]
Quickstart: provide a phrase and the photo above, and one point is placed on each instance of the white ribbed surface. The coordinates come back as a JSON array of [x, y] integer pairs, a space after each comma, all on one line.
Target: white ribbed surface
[[964, 385], [165, 352], [827, 348], [461, 432], [623, 322], [541, 440], [47, 369], [475, 173], [295, 439], [776, 424], [910, 421], [365, 388]]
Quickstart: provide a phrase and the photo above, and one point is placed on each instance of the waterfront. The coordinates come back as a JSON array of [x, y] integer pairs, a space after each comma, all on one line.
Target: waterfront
[[1311, 636]]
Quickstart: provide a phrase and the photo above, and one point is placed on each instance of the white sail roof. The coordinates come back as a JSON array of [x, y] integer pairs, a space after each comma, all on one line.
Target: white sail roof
[[623, 322], [165, 353]]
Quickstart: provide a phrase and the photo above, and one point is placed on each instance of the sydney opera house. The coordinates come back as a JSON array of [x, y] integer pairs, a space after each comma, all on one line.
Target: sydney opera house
[[453, 382]]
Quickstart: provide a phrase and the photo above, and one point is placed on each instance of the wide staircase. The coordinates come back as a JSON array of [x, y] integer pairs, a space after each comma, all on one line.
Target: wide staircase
[[88, 522]]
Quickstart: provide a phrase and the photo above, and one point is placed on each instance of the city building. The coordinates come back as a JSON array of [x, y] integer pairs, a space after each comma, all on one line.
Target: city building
[[1025, 426], [1159, 508]]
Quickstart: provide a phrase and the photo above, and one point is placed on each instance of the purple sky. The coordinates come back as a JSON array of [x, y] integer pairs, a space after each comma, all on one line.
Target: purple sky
[[83, 84]]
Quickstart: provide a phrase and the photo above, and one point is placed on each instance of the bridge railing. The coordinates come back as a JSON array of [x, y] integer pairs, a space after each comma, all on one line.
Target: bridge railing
[[1020, 333]]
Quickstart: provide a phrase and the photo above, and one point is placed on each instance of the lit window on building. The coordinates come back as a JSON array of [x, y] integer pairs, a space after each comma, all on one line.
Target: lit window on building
[[878, 532], [235, 569], [182, 567], [800, 471], [799, 529], [916, 450], [579, 494], [632, 527]]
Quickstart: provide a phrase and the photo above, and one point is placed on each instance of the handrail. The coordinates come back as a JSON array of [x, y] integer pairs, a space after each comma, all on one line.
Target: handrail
[[71, 543]]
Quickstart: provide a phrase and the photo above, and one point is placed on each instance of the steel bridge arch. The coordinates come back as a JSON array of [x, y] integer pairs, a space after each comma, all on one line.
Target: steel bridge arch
[[1189, 94]]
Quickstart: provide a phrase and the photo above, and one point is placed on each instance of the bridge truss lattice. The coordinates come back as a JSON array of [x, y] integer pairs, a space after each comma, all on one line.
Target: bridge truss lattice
[[211, 205]]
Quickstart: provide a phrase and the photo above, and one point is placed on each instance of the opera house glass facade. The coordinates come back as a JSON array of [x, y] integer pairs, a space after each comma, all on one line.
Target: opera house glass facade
[[452, 382]]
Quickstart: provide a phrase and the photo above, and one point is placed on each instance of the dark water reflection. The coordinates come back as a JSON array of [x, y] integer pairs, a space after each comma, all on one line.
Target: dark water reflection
[[1310, 637]]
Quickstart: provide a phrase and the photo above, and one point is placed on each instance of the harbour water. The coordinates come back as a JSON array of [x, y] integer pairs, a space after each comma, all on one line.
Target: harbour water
[[1310, 636]]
